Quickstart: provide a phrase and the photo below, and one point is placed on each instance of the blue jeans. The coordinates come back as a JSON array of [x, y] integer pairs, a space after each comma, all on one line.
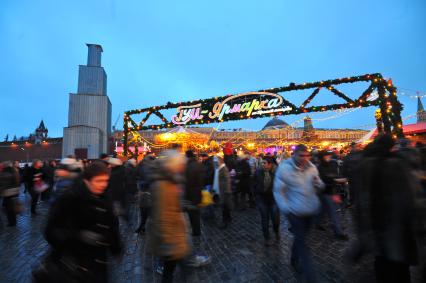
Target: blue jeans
[[268, 210], [329, 206], [300, 254]]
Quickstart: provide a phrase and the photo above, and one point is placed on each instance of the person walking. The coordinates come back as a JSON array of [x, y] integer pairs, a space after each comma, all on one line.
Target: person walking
[[329, 174], [116, 187], [65, 174], [49, 173], [131, 182], [167, 233], [9, 190], [36, 184], [81, 231], [145, 170], [193, 187], [386, 212], [243, 176], [295, 190], [222, 190], [350, 170], [264, 182]]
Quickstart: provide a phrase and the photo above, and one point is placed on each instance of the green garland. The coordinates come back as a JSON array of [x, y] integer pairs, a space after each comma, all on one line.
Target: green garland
[[389, 105]]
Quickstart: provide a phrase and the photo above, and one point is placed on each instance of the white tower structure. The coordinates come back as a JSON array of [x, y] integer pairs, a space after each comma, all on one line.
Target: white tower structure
[[89, 114]]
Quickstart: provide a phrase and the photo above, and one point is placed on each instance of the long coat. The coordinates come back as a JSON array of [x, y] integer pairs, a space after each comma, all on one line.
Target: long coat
[[243, 175], [117, 181], [167, 228], [385, 210], [83, 227], [193, 181]]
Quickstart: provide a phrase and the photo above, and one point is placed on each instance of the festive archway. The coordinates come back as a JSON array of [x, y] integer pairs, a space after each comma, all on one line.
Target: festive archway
[[270, 102]]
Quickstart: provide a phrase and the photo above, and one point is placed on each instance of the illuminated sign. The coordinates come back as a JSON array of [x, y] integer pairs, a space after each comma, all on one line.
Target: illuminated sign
[[244, 104]]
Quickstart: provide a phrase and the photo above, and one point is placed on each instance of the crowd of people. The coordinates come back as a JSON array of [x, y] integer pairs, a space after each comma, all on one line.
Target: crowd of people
[[382, 186]]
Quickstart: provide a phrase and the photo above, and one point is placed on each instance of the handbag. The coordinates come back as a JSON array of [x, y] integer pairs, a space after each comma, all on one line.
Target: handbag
[[206, 199]]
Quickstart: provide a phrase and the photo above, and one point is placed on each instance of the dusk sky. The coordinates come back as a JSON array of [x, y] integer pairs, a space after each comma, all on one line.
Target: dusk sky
[[160, 51]]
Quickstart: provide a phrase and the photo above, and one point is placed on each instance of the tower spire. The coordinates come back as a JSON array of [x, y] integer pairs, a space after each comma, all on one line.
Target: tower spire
[[419, 105], [421, 114]]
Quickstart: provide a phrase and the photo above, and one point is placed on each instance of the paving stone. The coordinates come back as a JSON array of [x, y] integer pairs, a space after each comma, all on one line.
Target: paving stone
[[238, 253]]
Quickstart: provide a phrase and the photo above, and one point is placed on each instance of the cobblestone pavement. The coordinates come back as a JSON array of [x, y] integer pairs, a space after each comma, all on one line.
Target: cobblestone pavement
[[238, 253]]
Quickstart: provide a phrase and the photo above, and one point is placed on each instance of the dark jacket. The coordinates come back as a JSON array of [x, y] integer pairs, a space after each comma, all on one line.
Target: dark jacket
[[9, 182], [33, 175], [193, 181], [208, 172], [260, 190], [144, 172], [72, 217], [131, 179], [116, 185], [328, 171], [49, 172], [385, 209], [351, 170], [243, 174]]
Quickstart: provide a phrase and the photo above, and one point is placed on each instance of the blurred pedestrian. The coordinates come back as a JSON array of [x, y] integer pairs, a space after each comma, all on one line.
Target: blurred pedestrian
[[351, 171], [145, 171], [26, 172], [193, 187], [130, 182], [9, 190], [295, 190], [385, 212], [167, 232], [116, 187], [81, 230], [49, 173], [264, 182], [222, 190], [243, 177], [65, 174], [329, 174], [36, 184]]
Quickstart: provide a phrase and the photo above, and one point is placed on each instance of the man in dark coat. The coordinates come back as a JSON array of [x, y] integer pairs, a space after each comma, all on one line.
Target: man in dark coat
[[208, 170], [193, 187], [243, 176], [350, 170], [329, 174], [9, 190], [49, 172], [116, 187], [131, 173], [145, 172], [36, 178], [264, 182], [81, 230], [385, 212]]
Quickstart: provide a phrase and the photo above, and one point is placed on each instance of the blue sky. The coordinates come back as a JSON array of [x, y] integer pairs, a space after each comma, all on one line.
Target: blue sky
[[159, 51]]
